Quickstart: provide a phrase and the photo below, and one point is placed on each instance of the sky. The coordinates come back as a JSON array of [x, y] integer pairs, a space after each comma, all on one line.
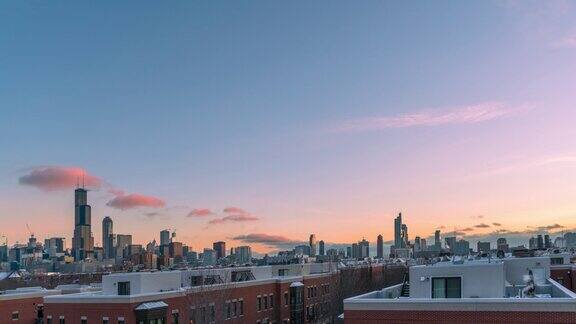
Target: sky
[[262, 122]]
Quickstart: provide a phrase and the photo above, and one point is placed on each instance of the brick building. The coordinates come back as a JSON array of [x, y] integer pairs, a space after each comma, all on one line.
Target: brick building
[[280, 294]]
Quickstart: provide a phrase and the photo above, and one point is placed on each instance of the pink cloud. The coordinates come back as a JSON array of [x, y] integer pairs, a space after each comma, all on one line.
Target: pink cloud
[[233, 218], [460, 115], [123, 201], [202, 212], [234, 210], [52, 178]]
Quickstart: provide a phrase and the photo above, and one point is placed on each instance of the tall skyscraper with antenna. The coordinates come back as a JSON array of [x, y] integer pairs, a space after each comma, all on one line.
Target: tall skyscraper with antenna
[[82, 242]]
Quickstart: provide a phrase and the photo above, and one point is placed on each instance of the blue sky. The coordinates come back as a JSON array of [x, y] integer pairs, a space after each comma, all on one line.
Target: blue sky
[[218, 104]]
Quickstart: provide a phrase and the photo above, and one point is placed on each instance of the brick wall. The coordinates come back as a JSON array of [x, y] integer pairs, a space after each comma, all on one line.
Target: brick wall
[[407, 316], [26, 308]]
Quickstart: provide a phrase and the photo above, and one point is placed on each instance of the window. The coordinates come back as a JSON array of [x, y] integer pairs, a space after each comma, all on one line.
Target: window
[[271, 300], [49, 320], [124, 288], [62, 320], [446, 287], [556, 260], [234, 309], [265, 302], [212, 316], [175, 318], [15, 316], [83, 321], [259, 303], [105, 320], [286, 299], [121, 320], [241, 307], [228, 310]]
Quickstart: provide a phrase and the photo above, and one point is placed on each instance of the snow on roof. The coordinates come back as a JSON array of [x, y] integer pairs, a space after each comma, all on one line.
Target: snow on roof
[[151, 305]]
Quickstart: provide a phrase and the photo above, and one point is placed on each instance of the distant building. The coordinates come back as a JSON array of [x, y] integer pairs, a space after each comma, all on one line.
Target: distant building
[[547, 241], [122, 241], [450, 243], [82, 241], [540, 242], [321, 248], [312, 244], [502, 245], [176, 251], [302, 249], [107, 231], [364, 249], [437, 241], [483, 247], [54, 246], [380, 247], [208, 257], [462, 247], [165, 237], [220, 248], [243, 254]]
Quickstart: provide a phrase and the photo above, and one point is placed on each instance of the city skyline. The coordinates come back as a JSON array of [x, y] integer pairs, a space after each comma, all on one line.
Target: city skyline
[[330, 120]]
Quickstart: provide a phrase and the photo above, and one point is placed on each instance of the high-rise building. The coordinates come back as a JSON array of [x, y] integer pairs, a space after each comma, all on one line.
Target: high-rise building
[[107, 230], [364, 249], [450, 243], [321, 248], [423, 245], [437, 242], [417, 244], [243, 254], [483, 247], [176, 251], [122, 241], [502, 245], [462, 247], [380, 247], [54, 245], [312, 243], [547, 241], [165, 237], [220, 248], [82, 241], [540, 242], [532, 243], [398, 243]]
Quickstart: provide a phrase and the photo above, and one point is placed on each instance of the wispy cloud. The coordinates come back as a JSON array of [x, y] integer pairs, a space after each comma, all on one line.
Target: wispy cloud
[[234, 214], [482, 226], [460, 115], [497, 224], [233, 218], [200, 212], [124, 201], [51, 178], [525, 164], [276, 241]]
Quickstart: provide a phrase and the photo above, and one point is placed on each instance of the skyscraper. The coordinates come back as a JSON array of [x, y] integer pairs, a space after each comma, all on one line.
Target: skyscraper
[[437, 242], [398, 231], [321, 248], [380, 247], [220, 248], [312, 244], [165, 237], [107, 230], [82, 241]]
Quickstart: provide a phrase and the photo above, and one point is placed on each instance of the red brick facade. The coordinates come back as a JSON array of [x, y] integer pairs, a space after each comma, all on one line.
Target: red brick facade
[[26, 308], [211, 305], [408, 316]]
